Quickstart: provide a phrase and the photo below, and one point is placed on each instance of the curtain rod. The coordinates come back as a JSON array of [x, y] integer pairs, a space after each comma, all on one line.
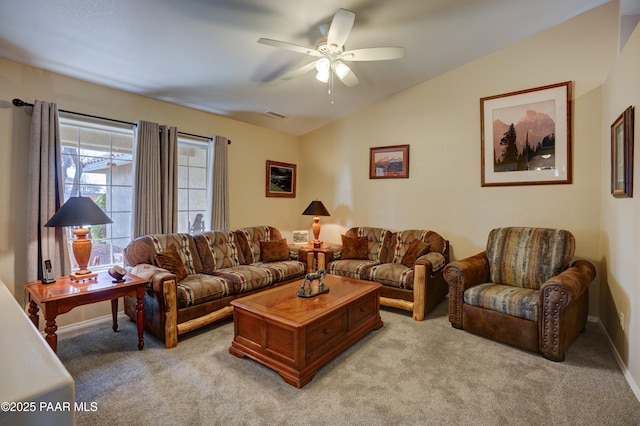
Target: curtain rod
[[20, 103]]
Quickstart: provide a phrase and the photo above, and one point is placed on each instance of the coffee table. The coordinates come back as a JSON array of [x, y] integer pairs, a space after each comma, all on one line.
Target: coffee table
[[296, 336], [65, 294]]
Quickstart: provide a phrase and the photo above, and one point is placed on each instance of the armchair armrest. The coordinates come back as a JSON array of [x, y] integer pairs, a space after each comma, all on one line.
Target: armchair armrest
[[461, 275], [563, 304]]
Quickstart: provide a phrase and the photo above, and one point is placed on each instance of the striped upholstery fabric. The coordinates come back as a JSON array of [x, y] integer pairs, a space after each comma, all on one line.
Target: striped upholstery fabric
[[379, 241], [217, 250], [144, 248], [392, 275], [514, 301], [400, 242], [527, 257], [249, 241], [200, 288], [352, 268]]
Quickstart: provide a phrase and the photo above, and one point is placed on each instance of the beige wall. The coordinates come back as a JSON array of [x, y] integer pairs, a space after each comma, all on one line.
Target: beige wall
[[440, 119], [250, 147], [620, 233]]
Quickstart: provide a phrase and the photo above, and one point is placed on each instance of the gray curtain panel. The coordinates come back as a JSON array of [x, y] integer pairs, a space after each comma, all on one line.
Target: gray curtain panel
[[219, 185], [155, 206], [46, 194]]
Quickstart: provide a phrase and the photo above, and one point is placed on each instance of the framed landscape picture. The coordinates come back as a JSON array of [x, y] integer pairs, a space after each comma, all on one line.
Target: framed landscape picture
[[280, 179], [622, 155], [387, 162], [526, 137]]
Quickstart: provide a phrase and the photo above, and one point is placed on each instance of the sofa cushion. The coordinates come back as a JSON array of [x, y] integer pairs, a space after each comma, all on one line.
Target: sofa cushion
[[353, 268], [392, 275], [527, 257], [415, 250], [217, 250], [244, 278], [144, 248], [200, 288], [514, 301], [284, 270], [249, 241], [355, 247], [171, 261], [274, 251]]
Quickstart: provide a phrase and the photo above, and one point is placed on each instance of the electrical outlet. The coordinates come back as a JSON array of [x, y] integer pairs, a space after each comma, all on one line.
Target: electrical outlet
[[622, 321]]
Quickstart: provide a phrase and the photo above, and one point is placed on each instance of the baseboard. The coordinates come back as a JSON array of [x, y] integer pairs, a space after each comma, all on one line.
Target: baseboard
[[81, 324], [625, 371]]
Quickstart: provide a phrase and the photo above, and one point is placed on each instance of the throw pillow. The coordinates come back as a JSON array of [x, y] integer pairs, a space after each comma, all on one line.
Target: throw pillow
[[274, 251], [172, 262], [416, 249], [355, 247]]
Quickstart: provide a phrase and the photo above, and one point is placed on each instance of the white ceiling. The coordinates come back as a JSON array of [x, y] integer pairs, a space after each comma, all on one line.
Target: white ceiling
[[204, 53]]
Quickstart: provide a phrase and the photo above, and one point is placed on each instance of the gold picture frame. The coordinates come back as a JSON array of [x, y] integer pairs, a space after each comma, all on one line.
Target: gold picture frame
[[622, 155]]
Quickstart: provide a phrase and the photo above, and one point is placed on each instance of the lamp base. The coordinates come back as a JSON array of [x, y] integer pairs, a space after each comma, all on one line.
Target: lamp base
[[317, 244], [82, 277]]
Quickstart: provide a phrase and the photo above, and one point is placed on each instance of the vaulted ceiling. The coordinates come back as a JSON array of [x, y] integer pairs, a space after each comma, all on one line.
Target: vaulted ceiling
[[204, 53]]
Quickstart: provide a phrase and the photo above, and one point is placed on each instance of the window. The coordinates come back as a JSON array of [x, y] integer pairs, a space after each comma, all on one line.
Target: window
[[97, 160], [193, 185]]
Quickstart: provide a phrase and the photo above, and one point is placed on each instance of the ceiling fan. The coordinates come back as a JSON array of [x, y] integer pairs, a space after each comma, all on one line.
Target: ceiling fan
[[331, 54]]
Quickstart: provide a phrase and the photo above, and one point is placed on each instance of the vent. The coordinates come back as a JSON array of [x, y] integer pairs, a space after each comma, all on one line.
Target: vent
[[275, 115]]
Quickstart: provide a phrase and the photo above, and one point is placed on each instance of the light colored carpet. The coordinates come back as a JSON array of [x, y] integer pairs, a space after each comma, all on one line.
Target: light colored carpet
[[406, 373]]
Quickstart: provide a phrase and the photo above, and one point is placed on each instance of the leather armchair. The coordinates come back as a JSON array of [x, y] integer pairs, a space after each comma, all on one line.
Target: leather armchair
[[522, 290]]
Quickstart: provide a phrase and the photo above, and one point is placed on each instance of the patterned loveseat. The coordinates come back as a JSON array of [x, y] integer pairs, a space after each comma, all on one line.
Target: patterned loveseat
[[193, 279], [408, 264]]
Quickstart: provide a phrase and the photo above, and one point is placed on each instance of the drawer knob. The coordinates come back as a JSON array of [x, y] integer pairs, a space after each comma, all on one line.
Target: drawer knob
[[327, 331]]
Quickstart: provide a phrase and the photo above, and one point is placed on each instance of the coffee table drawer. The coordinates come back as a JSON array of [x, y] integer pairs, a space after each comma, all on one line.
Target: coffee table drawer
[[363, 310], [325, 332]]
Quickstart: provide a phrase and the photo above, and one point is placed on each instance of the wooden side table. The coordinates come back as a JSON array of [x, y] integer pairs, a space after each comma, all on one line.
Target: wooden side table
[[63, 295], [316, 258]]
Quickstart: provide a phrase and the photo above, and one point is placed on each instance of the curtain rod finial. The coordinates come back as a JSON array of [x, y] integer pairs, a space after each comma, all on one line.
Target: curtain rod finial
[[19, 102]]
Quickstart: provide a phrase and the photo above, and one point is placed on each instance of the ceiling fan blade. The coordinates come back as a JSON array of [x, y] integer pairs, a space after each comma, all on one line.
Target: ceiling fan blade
[[340, 29], [372, 54], [345, 74], [299, 71], [289, 46]]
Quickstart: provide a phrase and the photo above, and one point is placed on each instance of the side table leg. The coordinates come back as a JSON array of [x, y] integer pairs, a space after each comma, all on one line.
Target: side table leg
[[52, 337], [33, 314], [114, 313], [140, 319]]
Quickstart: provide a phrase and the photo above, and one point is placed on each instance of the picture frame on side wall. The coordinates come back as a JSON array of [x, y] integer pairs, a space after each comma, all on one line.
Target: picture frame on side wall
[[526, 137], [280, 179], [622, 155], [388, 162]]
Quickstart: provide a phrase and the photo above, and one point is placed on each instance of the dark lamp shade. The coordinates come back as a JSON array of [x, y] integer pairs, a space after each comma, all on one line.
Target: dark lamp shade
[[78, 211], [316, 208]]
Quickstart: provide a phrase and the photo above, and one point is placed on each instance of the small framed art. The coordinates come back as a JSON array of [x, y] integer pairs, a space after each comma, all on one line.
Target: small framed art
[[622, 155], [386, 162], [526, 137], [280, 179]]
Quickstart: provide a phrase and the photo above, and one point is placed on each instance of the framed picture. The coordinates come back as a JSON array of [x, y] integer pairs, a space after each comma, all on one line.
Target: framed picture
[[386, 162], [622, 155], [526, 137], [300, 237], [280, 179]]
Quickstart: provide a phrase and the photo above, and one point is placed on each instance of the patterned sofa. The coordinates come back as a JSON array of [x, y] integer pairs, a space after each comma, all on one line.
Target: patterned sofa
[[408, 264], [193, 279]]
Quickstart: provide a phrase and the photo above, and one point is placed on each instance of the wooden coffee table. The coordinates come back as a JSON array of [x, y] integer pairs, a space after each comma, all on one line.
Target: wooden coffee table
[[65, 294], [296, 336]]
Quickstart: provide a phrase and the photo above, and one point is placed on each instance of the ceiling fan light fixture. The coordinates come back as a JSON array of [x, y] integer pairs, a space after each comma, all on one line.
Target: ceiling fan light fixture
[[323, 76], [341, 69], [323, 65]]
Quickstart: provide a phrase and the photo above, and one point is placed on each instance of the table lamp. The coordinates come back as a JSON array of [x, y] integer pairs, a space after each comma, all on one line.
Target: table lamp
[[316, 208], [79, 212]]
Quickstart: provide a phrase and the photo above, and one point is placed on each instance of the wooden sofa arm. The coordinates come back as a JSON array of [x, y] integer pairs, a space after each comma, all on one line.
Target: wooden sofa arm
[[164, 285], [461, 275]]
